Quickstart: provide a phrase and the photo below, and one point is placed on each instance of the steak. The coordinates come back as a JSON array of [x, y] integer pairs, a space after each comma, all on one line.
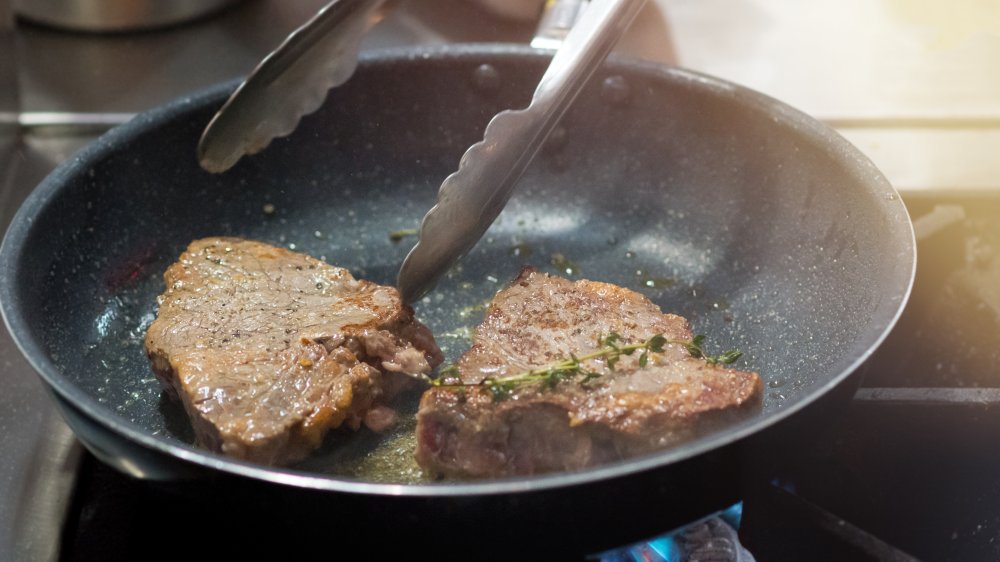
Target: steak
[[467, 431], [268, 349]]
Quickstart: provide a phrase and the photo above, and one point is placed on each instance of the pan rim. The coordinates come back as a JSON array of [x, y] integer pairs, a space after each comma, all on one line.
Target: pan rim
[[12, 248]]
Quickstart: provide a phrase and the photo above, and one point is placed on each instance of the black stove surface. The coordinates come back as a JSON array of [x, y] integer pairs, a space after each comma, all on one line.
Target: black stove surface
[[911, 466], [907, 472]]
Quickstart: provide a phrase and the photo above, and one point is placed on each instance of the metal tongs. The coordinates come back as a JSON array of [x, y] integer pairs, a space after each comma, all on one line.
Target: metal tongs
[[290, 82], [471, 198], [293, 81]]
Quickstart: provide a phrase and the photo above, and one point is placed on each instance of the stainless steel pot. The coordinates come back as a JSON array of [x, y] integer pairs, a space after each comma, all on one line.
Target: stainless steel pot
[[115, 15]]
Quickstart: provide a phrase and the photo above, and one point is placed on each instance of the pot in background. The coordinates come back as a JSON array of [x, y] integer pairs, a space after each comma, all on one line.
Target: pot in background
[[115, 15]]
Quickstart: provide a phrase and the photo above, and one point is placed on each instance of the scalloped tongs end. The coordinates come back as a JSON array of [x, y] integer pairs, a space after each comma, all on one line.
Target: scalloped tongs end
[[471, 198], [289, 83]]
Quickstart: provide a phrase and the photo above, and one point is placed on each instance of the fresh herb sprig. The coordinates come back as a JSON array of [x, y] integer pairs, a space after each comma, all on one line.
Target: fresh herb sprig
[[610, 348], [695, 349]]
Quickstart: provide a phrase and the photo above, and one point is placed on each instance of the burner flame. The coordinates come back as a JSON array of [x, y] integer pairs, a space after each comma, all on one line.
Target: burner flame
[[713, 538]]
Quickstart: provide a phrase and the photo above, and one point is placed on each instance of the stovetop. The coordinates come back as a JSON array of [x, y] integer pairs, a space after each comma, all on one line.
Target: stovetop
[[906, 472]]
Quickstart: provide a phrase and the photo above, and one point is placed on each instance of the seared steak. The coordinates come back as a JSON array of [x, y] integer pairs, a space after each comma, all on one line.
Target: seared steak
[[268, 349], [630, 410]]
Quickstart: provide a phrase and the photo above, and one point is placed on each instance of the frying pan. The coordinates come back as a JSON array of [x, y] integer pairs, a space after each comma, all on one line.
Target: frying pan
[[762, 226]]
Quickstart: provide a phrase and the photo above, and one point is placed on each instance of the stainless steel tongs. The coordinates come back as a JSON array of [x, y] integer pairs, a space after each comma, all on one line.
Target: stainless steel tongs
[[290, 82], [294, 80], [470, 199]]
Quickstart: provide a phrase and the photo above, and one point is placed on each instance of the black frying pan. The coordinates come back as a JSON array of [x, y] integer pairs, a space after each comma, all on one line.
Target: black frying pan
[[762, 226]]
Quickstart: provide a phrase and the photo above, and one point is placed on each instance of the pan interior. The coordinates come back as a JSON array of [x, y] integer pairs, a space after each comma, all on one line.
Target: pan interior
[[761, 228]]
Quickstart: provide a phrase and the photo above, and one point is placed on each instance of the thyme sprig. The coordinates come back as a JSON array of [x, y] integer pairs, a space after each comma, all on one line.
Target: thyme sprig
[[694, 348], [610, 348]]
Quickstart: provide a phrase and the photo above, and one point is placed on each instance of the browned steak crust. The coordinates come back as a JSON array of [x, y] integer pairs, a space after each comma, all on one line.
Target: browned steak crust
[[268, 349], [540, 319]]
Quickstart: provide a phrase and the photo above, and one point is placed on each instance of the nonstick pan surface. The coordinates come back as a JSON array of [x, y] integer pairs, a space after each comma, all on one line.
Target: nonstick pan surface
[[764, 228]]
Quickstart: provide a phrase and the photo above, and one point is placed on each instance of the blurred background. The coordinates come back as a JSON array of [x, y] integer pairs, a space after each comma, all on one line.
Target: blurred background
[[911, 82], [915, 84]]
